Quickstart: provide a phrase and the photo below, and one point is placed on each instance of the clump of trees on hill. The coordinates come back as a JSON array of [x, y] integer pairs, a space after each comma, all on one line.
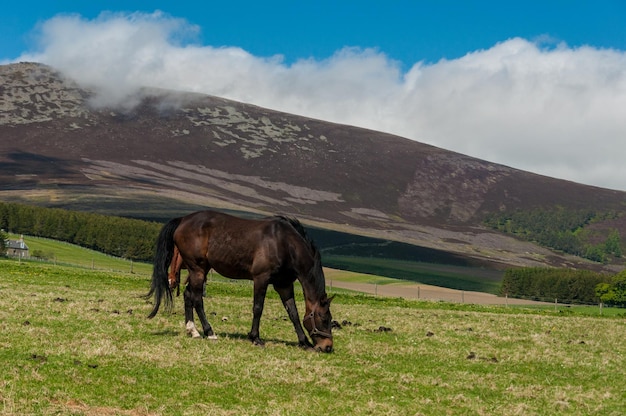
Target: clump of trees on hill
[[613, 293], [121, 237], [565, 285], [560, 229]]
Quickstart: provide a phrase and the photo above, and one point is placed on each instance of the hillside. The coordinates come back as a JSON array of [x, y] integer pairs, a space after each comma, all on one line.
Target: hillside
[[175, 152]]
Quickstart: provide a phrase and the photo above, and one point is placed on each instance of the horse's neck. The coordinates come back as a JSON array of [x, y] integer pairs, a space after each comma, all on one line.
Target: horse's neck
[[313, 289]]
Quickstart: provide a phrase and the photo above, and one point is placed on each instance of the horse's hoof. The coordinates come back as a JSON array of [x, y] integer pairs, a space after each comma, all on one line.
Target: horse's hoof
[[212, 337], [192, 331]]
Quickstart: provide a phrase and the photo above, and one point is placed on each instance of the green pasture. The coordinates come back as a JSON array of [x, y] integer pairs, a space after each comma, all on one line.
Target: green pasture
[[454, 277], [76, 341], [69, 254]]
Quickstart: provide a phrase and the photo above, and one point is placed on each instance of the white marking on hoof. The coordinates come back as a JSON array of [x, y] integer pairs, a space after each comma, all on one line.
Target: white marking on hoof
[[191, 330], [212, 337]]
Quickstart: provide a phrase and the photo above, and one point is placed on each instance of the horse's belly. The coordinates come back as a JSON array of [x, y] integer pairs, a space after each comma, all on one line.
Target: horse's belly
[[232, 272]]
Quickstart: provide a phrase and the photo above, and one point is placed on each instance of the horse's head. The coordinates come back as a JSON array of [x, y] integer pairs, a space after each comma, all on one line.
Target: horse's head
[[172, 281], [318, 322]]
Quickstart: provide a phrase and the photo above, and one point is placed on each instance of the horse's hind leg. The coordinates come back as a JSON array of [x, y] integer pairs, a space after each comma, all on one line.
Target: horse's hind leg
[[189, 296], [206, 326], [194, 301]]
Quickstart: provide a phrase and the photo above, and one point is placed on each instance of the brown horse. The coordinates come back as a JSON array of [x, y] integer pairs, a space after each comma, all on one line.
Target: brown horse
[[268, 251], [176, 265], [173, 277]]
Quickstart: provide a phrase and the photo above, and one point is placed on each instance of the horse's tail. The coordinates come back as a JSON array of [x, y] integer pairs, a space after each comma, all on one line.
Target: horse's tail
[[160, 287]]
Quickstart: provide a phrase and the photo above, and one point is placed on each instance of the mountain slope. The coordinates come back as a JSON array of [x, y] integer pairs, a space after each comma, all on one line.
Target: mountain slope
[[172, 152]]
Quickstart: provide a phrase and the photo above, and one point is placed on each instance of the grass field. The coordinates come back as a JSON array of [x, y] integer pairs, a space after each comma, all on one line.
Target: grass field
[[76, 341]]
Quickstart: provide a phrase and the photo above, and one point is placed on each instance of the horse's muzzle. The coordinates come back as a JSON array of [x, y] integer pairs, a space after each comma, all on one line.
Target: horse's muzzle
[[324, 345]]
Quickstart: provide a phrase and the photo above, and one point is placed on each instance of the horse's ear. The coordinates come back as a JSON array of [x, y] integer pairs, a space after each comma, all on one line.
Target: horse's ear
[[325, 301]]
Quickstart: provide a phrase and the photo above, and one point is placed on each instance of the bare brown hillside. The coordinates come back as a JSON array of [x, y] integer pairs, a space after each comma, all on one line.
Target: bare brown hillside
[[178, 151]]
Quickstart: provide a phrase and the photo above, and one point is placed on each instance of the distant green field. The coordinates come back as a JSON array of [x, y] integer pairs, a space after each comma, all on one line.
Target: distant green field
[[454, 277], [69, 254]]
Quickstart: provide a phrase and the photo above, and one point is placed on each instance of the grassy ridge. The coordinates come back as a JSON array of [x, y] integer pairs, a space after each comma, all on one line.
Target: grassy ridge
[[76, 341], [70, 254], [405, 261], [454, 277]]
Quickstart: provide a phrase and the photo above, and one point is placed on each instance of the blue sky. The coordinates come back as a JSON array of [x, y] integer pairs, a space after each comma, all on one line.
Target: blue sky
[[407, 31], [537, 85]]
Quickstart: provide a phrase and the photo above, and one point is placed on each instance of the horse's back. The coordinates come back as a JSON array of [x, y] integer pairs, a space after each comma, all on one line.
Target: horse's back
[[237, 247]]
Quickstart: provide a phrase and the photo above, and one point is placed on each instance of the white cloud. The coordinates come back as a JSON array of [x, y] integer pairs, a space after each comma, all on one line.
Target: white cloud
[[551, 110]]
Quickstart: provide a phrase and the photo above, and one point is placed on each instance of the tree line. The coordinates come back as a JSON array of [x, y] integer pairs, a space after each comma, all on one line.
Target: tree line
[[614, 292], [560, 229], [547, 284], [121, 237]]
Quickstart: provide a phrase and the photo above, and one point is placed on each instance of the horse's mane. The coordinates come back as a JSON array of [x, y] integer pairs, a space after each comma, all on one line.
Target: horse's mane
[[320, 284]]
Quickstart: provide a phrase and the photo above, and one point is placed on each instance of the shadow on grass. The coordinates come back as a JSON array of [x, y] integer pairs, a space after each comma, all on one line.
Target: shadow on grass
[[244, 337], [229, 335], [167, 333]]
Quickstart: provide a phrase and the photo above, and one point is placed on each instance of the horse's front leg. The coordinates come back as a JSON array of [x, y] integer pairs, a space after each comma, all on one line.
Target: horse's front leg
[[289, 302], [260, 290]]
